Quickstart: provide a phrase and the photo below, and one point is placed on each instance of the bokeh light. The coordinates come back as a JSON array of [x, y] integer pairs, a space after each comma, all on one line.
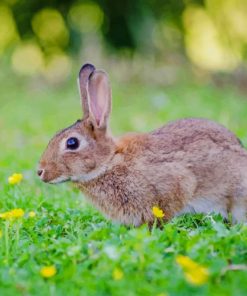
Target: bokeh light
[[49, 26], [231, 17], [203, 43], [27, 59], [216, 35], [86, 17]]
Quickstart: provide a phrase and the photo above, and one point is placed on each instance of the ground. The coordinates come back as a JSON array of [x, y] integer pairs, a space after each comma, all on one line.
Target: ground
[[93, 256]]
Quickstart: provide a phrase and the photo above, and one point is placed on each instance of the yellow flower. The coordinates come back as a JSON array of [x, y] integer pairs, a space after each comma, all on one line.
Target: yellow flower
[[48, 271], [15, 179], [15, 213], [31, 214], [197, 277], [186, 262], [194, 273], [158, 213], [117, 274]]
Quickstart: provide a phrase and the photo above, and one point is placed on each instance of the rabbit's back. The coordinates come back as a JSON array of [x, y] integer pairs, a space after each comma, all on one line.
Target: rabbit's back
[[192, 141], [202, 145], [182, 132]]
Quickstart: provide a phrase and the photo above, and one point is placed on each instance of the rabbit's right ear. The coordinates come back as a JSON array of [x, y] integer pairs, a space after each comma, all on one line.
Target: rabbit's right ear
[[99, 91], [83, 80]]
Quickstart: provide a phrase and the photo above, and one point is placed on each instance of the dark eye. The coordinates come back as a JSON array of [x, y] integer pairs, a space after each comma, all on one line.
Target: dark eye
[[72, 143]]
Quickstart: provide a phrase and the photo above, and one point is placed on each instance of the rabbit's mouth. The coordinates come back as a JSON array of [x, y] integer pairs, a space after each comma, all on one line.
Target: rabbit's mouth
[[48, 176], [57, 180]]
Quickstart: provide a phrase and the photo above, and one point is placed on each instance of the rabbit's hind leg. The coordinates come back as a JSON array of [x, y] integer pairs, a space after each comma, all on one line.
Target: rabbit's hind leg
[[238, 203], [239, 209]]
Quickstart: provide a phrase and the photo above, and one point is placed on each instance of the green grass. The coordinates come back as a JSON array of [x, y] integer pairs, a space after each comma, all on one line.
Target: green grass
[[70, 234]]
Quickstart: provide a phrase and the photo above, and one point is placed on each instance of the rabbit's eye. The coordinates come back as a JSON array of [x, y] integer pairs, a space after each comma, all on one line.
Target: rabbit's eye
[[72, 143]]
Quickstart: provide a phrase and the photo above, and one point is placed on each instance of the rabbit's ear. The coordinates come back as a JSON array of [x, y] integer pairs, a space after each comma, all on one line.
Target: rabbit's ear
[[99, 98], [83, 79]]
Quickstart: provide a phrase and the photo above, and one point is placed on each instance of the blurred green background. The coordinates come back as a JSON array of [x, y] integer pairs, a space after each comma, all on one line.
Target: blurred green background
[[46, 37], [166, 60]]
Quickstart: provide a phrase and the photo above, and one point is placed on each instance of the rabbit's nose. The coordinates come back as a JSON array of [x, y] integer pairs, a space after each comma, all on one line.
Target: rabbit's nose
[[40, 172]]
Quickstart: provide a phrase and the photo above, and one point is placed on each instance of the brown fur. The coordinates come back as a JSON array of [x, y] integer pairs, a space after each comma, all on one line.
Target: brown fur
[[190, 165]]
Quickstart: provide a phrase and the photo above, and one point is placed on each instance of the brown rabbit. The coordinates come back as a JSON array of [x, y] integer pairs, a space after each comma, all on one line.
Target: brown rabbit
[[190, 165]]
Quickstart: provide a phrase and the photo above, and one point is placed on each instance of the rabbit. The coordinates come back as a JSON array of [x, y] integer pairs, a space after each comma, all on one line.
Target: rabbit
[[187, 166]]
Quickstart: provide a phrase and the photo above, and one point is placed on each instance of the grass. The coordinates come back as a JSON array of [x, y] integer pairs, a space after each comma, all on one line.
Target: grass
[[93, 256]]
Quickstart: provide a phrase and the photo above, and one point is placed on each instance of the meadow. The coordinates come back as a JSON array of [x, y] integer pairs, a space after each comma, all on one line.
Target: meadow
[[85, 253]]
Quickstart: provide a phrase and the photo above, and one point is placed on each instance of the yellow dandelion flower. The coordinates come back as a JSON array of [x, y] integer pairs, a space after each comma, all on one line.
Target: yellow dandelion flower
[[158, 213], [117, 274], [194, 272], [15, 179], [48, 271], [15, 213], [198, 276], [186, 262], [31, 214]]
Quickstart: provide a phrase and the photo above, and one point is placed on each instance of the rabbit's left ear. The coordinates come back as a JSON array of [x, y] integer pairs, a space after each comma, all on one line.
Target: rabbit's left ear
[[84, 74], [99, 92]]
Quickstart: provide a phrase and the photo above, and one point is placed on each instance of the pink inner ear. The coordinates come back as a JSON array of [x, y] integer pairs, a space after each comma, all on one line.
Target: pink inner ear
[[95, 110], [99, 97]]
